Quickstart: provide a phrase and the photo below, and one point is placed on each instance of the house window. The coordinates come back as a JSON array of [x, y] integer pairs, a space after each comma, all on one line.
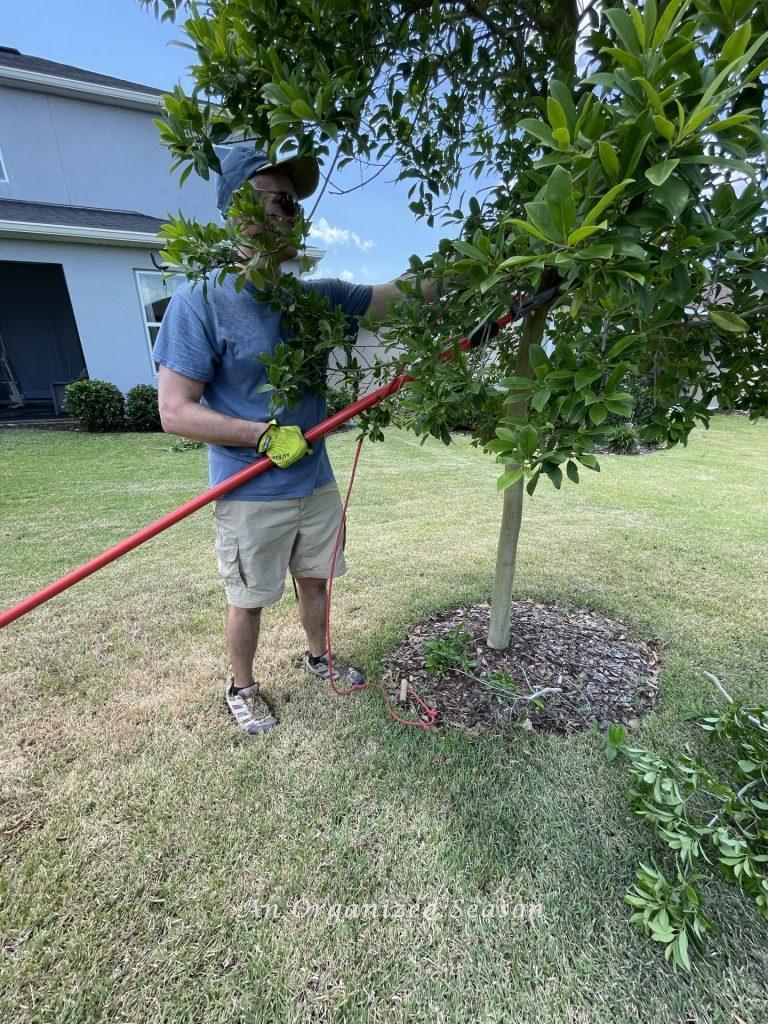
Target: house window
[[3, 172], [155, 291]]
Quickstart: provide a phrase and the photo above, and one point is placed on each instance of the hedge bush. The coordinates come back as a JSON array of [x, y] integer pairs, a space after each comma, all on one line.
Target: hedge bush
[[141, 409], [624, 439], [97, 404], [337, 399]]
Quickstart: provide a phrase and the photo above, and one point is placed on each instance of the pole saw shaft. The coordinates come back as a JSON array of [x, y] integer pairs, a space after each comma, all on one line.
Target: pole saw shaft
[[255, 469]]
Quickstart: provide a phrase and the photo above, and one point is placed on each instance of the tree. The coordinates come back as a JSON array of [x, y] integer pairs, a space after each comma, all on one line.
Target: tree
[[630, 153]]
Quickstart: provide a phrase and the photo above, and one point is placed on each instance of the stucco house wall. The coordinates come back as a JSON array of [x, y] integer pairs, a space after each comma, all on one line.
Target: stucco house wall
[[85, 185]]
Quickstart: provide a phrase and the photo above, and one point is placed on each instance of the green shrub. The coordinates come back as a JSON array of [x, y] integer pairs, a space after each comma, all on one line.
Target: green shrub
[[183, 444], [97, 404], [141, 409], [624, 440], [337, 399]]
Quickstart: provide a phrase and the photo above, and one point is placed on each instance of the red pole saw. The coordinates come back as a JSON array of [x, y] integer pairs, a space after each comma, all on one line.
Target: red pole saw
[[480, 335]]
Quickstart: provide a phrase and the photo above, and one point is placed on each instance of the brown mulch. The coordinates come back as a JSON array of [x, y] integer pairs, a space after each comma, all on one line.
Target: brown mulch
[[40, 425], [601, 674]]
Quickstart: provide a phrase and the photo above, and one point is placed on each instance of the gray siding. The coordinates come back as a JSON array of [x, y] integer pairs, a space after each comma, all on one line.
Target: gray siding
[[105, 301], [71, 151]]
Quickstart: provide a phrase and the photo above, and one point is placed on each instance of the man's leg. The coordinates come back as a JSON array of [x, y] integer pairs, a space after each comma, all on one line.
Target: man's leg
[[312, 604], [242, 632]]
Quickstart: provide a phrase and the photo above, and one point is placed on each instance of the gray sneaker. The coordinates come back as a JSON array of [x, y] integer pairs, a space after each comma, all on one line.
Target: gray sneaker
[[343, 674], [249, 709]]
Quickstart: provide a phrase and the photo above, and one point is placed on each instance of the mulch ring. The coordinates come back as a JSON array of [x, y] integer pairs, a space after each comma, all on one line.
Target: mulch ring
[[642, 449], [570, 671]]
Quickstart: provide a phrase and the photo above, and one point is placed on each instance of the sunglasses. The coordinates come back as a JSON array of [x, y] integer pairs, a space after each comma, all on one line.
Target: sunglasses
[[287, 202]]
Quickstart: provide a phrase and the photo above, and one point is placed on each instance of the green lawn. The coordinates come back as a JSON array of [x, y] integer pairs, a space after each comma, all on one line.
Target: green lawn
[[345, 868]]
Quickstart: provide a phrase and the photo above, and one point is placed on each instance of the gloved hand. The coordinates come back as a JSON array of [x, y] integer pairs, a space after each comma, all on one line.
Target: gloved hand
[[283, 445]]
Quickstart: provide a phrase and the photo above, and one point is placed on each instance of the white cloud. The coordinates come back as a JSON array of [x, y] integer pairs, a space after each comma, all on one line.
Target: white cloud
[[330, 235], [347, 275], [362, 246]]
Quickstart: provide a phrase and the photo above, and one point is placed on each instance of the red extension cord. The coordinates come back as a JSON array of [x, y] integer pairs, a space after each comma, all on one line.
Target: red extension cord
[[430, 712]]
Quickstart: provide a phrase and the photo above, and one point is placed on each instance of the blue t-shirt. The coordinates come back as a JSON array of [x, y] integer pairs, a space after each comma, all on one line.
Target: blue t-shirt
[[217, 341]]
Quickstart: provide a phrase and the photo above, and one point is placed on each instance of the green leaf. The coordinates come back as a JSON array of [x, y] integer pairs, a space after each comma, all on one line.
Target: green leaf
[[539, 130], [730, 122], [518, 383], [736, 43], [562, 94], [719, 79], [601, 251], [539, 215], [631, 157], [519, 261], [559, 199], [608, 159], [585, 377], [649, 18], [531, 485], [682, 949], [597, 412], [573, 471], [652, 96], [659, 173], [619, 346], [627, 60], [698, 119], [537, 356], [508, 478], [606, 201], [624, 29], [624, 247], [472, 251], [756, 72], [673, 195], [489, 282], [667, 21], [524, 225], [540, 399], [528, 439], [562, 136], [589, 460], [560, 378], [638, 25], [729, 321], [554, 473], [303, 110], [664, 127], [618, 408], [556, 114], [584, 232]]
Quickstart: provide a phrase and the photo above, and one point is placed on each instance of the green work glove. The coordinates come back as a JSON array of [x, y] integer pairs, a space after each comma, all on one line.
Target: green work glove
[[283, 445]]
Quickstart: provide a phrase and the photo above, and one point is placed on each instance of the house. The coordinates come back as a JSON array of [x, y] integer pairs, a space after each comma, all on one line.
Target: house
[[85, 185]]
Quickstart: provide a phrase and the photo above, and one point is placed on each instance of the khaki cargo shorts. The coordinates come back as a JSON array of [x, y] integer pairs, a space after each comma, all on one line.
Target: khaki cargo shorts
[[257, 542]]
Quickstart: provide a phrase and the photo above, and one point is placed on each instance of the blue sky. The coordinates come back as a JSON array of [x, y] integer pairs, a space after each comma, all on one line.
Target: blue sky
[[368, 235]]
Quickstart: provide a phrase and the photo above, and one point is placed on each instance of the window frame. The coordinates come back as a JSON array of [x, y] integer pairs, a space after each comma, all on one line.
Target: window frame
[[4, 179], [137, 271]]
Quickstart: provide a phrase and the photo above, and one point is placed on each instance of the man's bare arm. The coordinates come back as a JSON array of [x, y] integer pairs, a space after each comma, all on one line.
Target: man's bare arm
[[181, 413], [383, 294]]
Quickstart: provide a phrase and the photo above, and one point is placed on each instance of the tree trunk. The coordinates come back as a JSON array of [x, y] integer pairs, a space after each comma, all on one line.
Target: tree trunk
[[506, 554]]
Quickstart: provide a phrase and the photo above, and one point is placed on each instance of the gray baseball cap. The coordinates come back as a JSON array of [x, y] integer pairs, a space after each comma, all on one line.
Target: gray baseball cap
[[242, 160]]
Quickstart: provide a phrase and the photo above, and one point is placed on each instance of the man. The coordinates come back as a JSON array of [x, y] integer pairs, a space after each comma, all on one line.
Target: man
[[287, 518]]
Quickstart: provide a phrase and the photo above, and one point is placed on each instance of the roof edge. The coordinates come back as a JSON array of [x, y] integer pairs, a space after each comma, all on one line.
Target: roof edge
[[74, 233], [38, 81]]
